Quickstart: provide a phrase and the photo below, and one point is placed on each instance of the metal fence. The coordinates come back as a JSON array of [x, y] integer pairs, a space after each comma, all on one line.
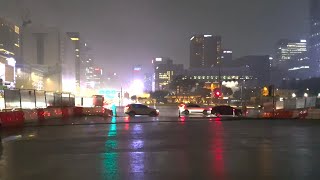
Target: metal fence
[[27, 99]]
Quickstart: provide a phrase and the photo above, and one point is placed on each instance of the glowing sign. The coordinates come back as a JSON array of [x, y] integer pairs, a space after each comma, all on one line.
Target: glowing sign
[[108, 93]]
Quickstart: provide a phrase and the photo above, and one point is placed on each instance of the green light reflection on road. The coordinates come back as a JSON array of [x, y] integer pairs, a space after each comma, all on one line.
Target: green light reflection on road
[[110, 157]]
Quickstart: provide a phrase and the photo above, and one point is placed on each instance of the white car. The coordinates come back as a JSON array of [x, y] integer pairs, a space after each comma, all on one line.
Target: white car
[[187, 109]]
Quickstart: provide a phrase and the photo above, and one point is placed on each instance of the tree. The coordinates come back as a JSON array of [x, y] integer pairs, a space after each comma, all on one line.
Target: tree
[[226, 91], [203, 92], [134, 98], [159, 95]]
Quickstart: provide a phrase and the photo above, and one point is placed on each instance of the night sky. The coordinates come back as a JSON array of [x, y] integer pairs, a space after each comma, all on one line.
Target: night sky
[[124, 33]]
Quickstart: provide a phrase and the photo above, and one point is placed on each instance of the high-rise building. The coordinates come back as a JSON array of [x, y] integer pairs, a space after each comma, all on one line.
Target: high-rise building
[[226, 57], [87, 65], [137, 73], [94, 78], [259, 67], [164, 72], [314, 42], [75, 38], [148, 82], [51, 58], [9, 38], [205, 51], [41, 59], [286, 50], [9, 47]]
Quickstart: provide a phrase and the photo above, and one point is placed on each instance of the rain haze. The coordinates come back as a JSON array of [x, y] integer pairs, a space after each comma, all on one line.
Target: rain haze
[[127, 33]]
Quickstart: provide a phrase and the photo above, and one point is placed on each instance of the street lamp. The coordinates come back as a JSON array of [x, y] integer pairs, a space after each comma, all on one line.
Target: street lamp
[[294, 95], [305, 95]]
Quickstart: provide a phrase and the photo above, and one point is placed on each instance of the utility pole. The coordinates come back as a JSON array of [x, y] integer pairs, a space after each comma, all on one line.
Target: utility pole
[[219, 79], [273, 102]]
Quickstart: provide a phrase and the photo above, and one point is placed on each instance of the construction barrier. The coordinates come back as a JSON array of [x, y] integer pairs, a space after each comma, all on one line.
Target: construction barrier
[[11, 119], [52, 113], [67, 112], [313, 114], [40, 113], [78, 111], [108, 113], [21, 117], [30, 115], [93, 111], [252, 113]]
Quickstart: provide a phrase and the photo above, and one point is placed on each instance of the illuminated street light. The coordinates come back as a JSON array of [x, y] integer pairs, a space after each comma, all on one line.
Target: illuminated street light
[[136, 87], [294, 95], [305, 95], [318, 95]]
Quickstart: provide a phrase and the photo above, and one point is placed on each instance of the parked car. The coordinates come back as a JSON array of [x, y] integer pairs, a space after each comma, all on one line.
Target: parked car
[[226, 111], [140, 109], [187, 109]]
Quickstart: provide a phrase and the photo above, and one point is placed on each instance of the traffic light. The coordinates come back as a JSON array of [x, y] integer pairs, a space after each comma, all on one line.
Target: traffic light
[[217, 93], [270, 89]]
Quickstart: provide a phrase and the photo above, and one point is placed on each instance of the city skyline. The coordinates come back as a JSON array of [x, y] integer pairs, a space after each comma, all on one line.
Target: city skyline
[[119, 40]]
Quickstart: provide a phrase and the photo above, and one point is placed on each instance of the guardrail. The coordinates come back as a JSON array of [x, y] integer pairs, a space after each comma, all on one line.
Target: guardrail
[[21, 117]]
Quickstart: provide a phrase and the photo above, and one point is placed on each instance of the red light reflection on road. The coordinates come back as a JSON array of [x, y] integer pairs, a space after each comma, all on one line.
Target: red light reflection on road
[[218, 150], [126, 120], [182, 119]]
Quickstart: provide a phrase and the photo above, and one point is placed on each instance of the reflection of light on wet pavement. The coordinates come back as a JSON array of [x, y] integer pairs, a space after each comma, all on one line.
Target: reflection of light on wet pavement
[[137, 159], [137, 129], [218, 160], [182, 119], [110, 158], [304, 155], [137, 144], [113, 127], [137, 162], [266, 158], [126, 120]]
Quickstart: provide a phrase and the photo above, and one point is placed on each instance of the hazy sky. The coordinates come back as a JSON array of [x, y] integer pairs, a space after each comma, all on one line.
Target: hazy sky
[[135, 31]]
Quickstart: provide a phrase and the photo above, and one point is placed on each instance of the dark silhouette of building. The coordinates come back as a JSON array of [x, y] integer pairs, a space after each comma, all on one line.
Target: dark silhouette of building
[[164, 72], [205, 51], [314, 42], [259, 66], [9, 38], [75, 38], [226, 57]]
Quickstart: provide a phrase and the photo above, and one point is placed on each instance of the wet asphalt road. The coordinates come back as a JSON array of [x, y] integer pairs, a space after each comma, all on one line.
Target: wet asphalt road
[[166, 147]]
